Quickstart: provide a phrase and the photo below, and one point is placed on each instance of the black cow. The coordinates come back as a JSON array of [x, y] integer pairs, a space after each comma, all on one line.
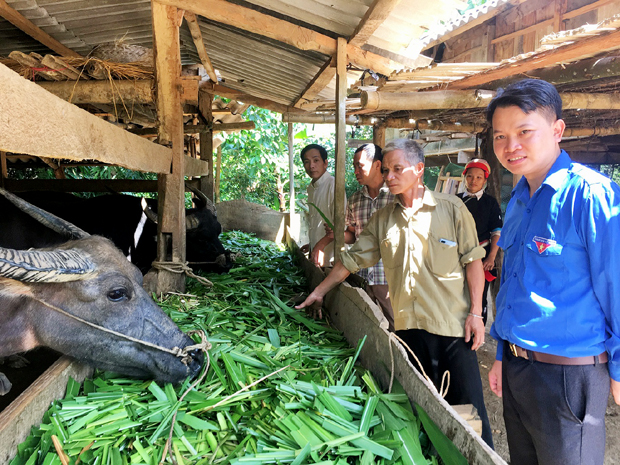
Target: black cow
[[83, 298], [130, 222]]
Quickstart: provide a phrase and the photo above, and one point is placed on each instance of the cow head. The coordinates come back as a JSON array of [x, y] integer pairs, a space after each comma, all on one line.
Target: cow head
[[92, 281]]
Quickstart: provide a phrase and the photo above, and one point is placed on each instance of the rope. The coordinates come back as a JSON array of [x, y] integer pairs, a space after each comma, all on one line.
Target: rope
[[180, 268], [177, 352], [445, 378], [204, 345]]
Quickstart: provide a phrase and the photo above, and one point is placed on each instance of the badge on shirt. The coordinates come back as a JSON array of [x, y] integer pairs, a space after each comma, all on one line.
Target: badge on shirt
[[543, 244]]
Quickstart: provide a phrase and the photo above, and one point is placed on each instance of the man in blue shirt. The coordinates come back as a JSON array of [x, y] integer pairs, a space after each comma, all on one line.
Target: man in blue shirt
[[558, 308]]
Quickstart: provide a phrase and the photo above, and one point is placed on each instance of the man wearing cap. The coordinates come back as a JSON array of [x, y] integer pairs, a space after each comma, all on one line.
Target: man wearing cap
[[487, 215], [558, 307]]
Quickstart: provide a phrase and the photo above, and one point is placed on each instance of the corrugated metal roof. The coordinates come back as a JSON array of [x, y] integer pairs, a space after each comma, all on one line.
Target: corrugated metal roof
[[248, 62], [441, 28]]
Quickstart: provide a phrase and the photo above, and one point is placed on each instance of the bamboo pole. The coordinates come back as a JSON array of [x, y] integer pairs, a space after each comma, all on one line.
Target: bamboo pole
[[218, 175], [205, 105], [434, 100], [341, 144], [291, 170]]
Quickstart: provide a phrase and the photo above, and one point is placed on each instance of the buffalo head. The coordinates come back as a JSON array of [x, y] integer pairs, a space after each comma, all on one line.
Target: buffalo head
[[49, 297]]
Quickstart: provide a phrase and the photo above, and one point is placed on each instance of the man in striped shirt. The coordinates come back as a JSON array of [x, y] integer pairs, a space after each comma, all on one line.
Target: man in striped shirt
[[361, 205]]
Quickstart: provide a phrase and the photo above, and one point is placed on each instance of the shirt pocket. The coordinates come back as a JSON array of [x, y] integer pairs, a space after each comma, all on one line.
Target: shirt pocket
[[392, 252], [442, 257], [545, 269]]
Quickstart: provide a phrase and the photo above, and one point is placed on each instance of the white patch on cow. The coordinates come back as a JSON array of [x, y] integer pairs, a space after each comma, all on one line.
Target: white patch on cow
[[140, 228]]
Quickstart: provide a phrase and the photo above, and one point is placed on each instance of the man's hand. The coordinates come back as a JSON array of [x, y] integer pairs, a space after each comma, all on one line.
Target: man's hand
[[318, 256], [328, 231], [488, 263], [474, 327], [615, 390], [313, 305], [495, 378]]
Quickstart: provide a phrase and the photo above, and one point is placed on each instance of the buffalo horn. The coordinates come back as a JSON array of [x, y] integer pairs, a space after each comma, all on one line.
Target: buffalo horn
[[47, 219], [148, 211], [38, 266], [203, 198]]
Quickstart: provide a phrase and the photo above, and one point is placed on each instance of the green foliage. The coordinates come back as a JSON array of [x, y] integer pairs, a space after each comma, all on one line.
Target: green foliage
[[254, 161]]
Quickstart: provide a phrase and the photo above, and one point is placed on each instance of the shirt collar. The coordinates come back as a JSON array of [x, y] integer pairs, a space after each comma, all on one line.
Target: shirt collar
[[554, 177], [322, 180], [383, 190], [428, 199], [478, 194]]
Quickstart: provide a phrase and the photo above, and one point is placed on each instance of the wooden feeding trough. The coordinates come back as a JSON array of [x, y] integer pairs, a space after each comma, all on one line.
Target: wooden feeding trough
[[28, 408]]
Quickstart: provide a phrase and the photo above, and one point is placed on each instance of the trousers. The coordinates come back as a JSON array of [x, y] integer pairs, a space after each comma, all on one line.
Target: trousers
[[440, 353], [554, 414]]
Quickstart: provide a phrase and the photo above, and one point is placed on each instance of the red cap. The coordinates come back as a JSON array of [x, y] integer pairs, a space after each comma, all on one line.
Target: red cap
[[478, 163]]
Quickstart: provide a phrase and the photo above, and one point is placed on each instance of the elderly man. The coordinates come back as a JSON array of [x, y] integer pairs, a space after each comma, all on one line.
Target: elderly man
[[429, 247]]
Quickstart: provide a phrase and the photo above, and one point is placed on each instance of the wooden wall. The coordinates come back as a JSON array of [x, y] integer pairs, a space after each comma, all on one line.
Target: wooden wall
[[519, 29]]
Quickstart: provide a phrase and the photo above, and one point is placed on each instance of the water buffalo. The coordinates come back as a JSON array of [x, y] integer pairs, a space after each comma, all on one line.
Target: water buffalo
[[130, 222], [85, 299]]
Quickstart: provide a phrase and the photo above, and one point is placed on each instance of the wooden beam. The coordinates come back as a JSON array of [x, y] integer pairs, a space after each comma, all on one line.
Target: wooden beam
[[227, 92], [378, 134], [114, 92], [81, 185], [171, 224], [594, 45], [375, 16], [596, 158], [194, 29], [456, 99], [312, 118], [291, 168], [341, 148], [322, 79], [4, 173], [197, 129], [196, 167], [35, 122], [19, 21], [282, 31], [432, 100], [218, 175]]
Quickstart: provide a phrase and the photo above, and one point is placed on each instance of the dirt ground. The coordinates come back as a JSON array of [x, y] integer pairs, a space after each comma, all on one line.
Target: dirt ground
[[486, 356]]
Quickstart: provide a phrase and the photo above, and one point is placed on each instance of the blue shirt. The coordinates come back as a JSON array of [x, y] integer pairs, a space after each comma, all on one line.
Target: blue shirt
[[560, 284]]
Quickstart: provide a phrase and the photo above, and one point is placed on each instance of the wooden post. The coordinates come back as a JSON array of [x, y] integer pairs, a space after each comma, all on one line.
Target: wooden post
[[291, 170], [4, 172], [206, 143], [218, 175], [341, 146], [494, 189], [378, 134], [171, 225]]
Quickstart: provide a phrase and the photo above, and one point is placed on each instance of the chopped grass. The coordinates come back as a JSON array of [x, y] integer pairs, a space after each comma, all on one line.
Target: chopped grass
[[321, 408]]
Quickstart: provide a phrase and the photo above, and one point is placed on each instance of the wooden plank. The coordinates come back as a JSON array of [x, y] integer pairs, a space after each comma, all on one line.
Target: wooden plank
[[19, 21], [194, 29], [322, 79], [585, 9], [171, 224], [35, 122], [431, 100], [200, 128], [590, 46], [341, 148], [282, 31], [375, 16], [523, 31], [28, 409]]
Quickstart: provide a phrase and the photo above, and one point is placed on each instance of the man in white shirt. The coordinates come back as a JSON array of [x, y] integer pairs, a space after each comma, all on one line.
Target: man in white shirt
[[320, 193]]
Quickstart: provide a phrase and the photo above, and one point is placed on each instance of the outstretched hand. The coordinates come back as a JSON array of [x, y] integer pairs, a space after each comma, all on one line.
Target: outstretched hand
[[313, 305]]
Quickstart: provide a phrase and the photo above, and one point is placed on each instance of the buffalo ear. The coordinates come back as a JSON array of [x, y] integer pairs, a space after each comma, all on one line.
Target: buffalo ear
[[5, 384]]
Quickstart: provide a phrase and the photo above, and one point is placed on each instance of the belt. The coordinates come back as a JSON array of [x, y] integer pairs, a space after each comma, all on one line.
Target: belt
[[556, 359]]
